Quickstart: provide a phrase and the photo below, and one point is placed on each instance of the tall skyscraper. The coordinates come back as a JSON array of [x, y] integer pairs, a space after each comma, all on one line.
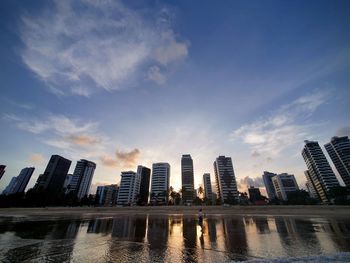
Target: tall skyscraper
[[144, 173], [208, 193], [67, 182], [129, 188], [284, 184], [226, 186], [187, 178], [2, 170], [270, 190], [339, 151], [160, 182], [52, 180], [320, 171], [9, 188], [23, 180], [310, 186], [82, 177]]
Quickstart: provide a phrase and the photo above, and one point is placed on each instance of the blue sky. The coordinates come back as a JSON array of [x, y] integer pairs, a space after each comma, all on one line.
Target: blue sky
[[128, 83]]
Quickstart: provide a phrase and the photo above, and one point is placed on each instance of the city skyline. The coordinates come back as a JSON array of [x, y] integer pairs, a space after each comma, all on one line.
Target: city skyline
[[230, 82]]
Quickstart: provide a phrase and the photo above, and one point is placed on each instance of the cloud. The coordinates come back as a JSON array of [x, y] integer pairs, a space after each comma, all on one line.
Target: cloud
[[155, 75], [82, 139], [256, 182], [255, 154], [62, 132], [343, 131], [79, 47], [37, 158], [128, 159], [286, 127], [108, 161], [122, 159]]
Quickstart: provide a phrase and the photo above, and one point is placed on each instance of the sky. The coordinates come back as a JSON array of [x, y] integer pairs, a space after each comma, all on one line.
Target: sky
[[123, 83]]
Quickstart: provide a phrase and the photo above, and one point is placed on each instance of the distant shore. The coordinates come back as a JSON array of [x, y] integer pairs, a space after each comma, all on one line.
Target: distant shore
[[305, 211]]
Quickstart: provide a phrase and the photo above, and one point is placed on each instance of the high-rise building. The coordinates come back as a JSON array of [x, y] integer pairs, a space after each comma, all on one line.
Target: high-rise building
[[52, 180], [270, 190], [284, 184], [160, 182], [82, 177], [144, 173], [129, 188], [2, 170], [9, 188], [107, 195], [310, 186], [67, 182], [339, 151], [321, 173], [187, 178], [226, 186], [23, 180], [208, 192]]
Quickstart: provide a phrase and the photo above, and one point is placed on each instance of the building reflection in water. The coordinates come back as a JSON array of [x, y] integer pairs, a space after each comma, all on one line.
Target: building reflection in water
[[189, 231], [297, 236], [51, 240], [173, 238], [157, 237], [338, 232], [235, 238]]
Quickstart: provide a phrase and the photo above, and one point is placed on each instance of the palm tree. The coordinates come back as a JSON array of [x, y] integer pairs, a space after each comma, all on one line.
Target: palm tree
[[200, 190]]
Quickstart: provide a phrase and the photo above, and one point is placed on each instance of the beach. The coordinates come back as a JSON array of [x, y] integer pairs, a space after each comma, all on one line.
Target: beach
[[303, 211]]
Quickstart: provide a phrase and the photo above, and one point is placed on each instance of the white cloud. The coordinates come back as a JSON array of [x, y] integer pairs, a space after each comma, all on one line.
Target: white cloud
[[155, 75], [80, 46], [62, 132], [286, 127]]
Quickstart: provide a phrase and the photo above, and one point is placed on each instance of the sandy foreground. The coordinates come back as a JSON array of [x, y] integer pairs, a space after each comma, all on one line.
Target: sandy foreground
[[305, 211]]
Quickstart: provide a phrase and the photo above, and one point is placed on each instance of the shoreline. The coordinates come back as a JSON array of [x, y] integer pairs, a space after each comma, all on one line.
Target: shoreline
[[305, 211]]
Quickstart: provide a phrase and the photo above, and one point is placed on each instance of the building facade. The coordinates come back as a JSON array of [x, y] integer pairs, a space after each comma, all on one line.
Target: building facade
[[226, 186], [2, 170], [339, 151], [9, 188], [23, 180], [270, 189], [320, 171], [52, 180], [144, 174], [129, 188], [160, 182], [310, 186], [82, 178], [107, 195], [284, 184], [208, 192], [187, 178]]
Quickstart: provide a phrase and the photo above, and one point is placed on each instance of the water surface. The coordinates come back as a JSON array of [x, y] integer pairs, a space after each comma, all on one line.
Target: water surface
[[174, 238]]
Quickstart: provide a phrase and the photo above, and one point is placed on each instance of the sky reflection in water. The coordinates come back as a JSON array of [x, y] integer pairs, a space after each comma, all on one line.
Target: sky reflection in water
[[175, 238]]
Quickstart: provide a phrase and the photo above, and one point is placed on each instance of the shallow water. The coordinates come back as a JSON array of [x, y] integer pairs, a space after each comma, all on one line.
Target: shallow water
[[173, 238]]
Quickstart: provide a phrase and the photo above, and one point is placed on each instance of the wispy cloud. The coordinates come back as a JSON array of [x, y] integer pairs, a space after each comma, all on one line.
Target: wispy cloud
[[37, 158], [81, 46], [286, 127], [61, 131]]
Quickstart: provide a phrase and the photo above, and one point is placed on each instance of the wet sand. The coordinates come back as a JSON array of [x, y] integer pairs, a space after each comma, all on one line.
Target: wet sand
[[305, 211]]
